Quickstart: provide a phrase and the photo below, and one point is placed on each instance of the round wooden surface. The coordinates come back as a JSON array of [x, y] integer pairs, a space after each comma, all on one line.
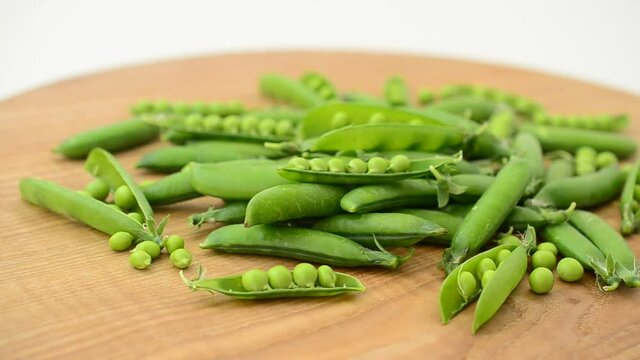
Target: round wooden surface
[[64, 294]]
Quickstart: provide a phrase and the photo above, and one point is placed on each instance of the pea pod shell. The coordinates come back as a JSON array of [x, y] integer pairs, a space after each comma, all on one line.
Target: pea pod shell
[[367, 198], [171, 189], [447, 221]]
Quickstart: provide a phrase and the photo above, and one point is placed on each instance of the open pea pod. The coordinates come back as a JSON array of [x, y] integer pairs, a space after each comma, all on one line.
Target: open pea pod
[[232, 286]]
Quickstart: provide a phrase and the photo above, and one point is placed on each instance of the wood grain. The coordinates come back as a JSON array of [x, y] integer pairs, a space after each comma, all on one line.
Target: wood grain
[[64, 294]]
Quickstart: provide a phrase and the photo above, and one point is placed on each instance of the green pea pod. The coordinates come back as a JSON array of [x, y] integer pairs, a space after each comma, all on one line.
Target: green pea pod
[[473, 108], [502, 122], [231, 213], [558, 138], [387, 229], [361, 98], [114, 137], [605, 122], [451, 301], [236, 180], [607, 240], [562, 167], [171, 189], [367, 198], [523, 105], [528, 147], [505, 279], [319, 84], [288, 90], [280, 113], [474, 186], [87, 210], [586, 190], [572, 243], [489, 212], [298, 243], [628, 224], [293, 201], [449, 222], [396, 92], [232, 286]]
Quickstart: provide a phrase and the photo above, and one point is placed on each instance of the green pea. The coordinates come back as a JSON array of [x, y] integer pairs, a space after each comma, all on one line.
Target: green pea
[[583, 168], [231, 124], [255, 280], [298, 163], [249, 124], [318, 164], [123, 197], [212, 122], [283, 128], [120, 241], [509, 240], [326, 93], [216, 108], [377, 165], [140, 259], [425, 96], [181, 258], [486, 277], [116, 207], [136, 216], [467, 284], [357, 166], [174, 242], [548, 246], [181, 108], [570, 270], [606, 158], [266, 127], [235, 107], [150, 247], [98, 189], [85, 193], [336, 165], [199, 107], [326, 276], [161, 106], [502, 255], [541, 280], [194, 121], [586, 152], [280, 277], [399, 163], [377, 118], [543, 258], [483, 266], [314, 82], [339, 119], [305, 275]]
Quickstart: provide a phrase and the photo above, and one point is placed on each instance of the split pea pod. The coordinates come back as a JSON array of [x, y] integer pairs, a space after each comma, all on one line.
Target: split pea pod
[[231, 213], [607, 240], [298, 243], [113, 137], [628, 224], [489, 212], [289, 90], [293, 201], [319, 84]]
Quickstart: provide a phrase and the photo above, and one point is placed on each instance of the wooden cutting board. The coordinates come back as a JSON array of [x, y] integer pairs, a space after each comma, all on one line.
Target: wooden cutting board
[[64, 294]]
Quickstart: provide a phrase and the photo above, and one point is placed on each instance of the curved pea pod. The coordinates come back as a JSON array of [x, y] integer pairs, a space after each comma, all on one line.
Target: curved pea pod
[[520, 217], [367, 198], [505, 279], [171, 189], [174, 158], [232, 286], [231, 213], [610, 243], [528, 147], [87, 210], [293, 201], [449, 222], [288, 90], [571, 243], [586, 190], [628, 223], [298, 243], [489, 212], [568, 139], [114, 137], [474, 108], [236, 180], [396, 92], [451, 301], [388, 229]]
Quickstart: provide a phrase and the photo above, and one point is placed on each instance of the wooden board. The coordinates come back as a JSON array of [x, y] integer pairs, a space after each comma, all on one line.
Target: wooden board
[[64, 294]]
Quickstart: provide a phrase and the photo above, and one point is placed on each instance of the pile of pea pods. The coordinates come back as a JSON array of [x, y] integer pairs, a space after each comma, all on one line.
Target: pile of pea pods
[[346, 179]]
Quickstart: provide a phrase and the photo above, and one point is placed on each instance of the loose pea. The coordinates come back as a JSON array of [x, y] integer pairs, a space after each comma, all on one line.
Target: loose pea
[[123, 197], [150, 247], [467, 284], [98, 189], [140, 259], [543, 258], [548, 246], [483, 266], [502, 255], [255, 280], [606, 158], [231, 124], [266, 127], [339, 120], [318, 164], [136, 216], [541, 280], [326, 276], [377, 118], [85, 193], [283, 128], [120, 241], [298, 163], [399, 163], [194, 121], [357, 166], [280, 277], [377, 165], [336, 165], [583, 168], [305, 275], [181, 258], [570, 270], [114, 206], [486, 277], [212, 122], [174, 242], [249, 124]]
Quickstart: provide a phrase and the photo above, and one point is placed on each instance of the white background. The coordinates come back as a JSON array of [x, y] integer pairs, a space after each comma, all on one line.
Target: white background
[[45, 41]]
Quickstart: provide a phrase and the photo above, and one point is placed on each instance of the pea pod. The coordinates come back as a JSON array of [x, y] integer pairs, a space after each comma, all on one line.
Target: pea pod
[[502, 122], [449, 222], [361, 98], [232, 286], [367, 198], [319, 84], [113, 137], [293, 201], [396, 92], [298, 243], [285, 89], [87, 210], [605, 122], [231, 213], [523, 105], [628, 224], [388, 229], [528, 147], [607, 240], [164, 107], [474, 108], [520, 217], [171, 189]]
